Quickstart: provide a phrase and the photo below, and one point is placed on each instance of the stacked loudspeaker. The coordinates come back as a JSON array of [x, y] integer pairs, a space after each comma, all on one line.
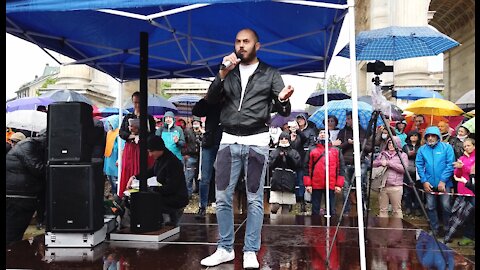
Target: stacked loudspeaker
[[75, 182]]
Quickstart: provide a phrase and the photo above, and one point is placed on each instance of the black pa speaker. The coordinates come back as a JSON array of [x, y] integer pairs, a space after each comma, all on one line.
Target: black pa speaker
[[145, 214], [70, 129], [75, 197]]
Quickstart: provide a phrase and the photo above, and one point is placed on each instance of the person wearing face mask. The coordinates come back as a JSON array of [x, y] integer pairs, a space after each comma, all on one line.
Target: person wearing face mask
[[314, 177], [393, 190], [191, 152], [434, 163], [283, 157], [172, 135], [457, 141], [298, 140]]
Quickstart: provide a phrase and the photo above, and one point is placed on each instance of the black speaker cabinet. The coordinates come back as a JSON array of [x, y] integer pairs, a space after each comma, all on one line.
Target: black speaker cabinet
[[70, 126], [75, 197], [144, 212]]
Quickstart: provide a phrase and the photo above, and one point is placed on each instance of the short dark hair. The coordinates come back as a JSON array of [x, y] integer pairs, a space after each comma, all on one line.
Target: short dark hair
[[136, 94], [334, 119]]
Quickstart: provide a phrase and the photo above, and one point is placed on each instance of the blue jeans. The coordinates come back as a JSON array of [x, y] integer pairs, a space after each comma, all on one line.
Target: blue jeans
[[432, 208], [190, 172], [317, 195], [113, 182], [349, 172], [231, 160], [469, 231], [208, 159], [300, 191]]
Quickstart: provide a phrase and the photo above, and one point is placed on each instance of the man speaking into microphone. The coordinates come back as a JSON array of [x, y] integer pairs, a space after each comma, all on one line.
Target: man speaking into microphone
[[249, 90]]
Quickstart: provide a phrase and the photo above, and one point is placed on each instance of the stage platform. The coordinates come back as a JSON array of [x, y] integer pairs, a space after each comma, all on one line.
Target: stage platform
[[288, 242]]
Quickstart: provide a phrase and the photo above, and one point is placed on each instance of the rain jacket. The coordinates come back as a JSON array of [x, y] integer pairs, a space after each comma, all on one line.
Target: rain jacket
[[468, 162], [395, 169], [168, 134], [336, 167], [111, 146], [435, 164]]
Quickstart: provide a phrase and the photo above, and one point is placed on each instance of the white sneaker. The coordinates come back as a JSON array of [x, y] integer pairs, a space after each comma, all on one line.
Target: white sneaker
[[220, 256], [250, 260]]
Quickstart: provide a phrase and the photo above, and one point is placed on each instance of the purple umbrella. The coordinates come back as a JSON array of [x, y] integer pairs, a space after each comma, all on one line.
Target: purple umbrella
[[28, 103], [278, 120]]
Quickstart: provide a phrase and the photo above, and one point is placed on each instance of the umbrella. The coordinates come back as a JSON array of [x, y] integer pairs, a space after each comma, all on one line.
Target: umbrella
[[339, 109], [395, 112], [157, 105], [278, 120], [416, 93], [184, 103], [27, 119], [108, 111], [399, 42], [470, 125], [317, 97], [467, 101], [66, 95], [28, 103], [434, 106], [460, 210]]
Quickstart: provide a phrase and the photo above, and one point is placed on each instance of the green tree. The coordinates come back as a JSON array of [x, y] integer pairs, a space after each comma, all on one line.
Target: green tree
[[164, 86], [334, 82], [47, 82]]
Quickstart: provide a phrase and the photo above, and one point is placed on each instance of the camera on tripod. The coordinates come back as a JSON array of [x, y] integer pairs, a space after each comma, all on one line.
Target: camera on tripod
[[378, 67]]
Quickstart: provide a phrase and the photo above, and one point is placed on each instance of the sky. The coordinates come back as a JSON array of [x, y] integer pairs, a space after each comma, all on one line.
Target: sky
[[25, 60]]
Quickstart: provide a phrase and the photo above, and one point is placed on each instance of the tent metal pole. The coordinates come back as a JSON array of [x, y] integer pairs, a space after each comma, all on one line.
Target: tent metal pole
[[120, 112], [312, 4], [327, 159], [356, 134]]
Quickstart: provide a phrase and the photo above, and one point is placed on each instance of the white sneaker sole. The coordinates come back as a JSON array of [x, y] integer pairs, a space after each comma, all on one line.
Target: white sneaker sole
[[210, 264]]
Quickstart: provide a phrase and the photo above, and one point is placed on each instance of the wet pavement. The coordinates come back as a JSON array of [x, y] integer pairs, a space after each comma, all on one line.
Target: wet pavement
[[288, 242]]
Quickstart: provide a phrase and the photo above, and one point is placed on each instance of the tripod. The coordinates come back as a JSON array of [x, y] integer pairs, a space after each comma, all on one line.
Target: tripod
[[371, 131]]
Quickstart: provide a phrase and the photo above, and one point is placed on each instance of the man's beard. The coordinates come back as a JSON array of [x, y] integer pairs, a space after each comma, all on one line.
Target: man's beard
[[248, 56]]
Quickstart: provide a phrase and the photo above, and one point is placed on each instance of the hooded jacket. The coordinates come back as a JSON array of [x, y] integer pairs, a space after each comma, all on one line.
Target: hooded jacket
[[260, 99], [314, 172], [468, 161], [290, 158], [395, 169], [168, 133], [310, 131], [435, 163], [25, 167]]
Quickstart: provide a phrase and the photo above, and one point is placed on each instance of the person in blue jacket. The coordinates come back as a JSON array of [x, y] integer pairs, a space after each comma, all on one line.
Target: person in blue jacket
[[172, 135], [434, 163]]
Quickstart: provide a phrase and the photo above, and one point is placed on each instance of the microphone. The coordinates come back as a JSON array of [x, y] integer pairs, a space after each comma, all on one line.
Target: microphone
[[228, 63]]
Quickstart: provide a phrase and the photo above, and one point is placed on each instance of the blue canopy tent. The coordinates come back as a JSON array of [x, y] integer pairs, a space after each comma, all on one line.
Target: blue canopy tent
[[186, 38]]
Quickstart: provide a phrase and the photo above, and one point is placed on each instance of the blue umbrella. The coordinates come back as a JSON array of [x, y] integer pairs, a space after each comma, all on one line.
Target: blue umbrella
[[339, 109], [157, 105], [317, 97], [395, 42], [66, 95], [417, 93], [108, 111], [28, 103]]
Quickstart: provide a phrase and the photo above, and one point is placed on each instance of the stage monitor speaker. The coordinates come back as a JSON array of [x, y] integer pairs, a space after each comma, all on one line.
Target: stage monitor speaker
[[144, 212], [75, 197], [70, 129]]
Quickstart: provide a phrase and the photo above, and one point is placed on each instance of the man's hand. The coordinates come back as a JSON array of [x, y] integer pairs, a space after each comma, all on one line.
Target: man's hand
[[308, 189], [129, 183], [441, 186], [337, 142], [133, 130], [427, 187], [350, 141], [338, 190], [175, 139], [233, 59], [286, 92]]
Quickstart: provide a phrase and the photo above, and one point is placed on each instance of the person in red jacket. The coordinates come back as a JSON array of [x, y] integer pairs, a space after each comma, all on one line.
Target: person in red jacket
[[314, 178]]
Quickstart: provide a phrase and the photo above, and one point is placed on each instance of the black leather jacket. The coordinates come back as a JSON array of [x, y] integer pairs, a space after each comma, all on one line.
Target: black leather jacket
[[260, 99], [25, 167]]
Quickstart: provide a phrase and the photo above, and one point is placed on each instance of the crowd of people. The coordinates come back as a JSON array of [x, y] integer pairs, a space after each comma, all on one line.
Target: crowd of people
[[234, 143]]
